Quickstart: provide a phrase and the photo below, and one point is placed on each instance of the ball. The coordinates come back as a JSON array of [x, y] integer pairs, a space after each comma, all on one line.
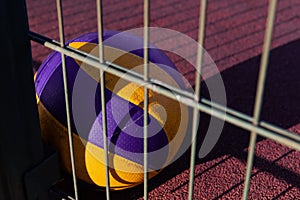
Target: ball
[[167, 118]]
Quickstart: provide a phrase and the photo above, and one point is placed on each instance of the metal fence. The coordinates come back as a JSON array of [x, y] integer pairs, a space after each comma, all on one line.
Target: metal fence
[[251, 123]]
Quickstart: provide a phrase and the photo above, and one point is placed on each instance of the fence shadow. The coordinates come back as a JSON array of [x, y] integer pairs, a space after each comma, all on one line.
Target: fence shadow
[[280, 107]]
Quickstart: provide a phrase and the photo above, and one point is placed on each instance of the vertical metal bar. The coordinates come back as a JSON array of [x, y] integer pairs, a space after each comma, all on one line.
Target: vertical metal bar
[[63, 60], [196, 115], [146, 77], [260, 92], [102, 93]]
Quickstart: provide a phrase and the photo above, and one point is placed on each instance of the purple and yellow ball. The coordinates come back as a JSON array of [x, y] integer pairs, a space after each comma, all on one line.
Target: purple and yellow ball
[[124, 110]]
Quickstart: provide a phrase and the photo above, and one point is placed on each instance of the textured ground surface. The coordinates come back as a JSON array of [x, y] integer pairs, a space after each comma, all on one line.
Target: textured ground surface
[[234, 34]]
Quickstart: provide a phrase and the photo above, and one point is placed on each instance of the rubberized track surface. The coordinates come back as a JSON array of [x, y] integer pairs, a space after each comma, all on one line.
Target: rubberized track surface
[[234, 35]]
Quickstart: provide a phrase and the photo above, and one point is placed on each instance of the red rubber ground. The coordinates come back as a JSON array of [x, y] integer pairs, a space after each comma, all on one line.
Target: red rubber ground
[[234, 35]]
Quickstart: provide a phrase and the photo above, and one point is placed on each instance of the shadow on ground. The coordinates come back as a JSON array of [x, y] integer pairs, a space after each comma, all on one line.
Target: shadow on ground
[[281, 107]]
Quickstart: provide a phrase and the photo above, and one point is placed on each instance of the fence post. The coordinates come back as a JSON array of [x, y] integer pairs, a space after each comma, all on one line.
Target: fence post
[[21, 147]]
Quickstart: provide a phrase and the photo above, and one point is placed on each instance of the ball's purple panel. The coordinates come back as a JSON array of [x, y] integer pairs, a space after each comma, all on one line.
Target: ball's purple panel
[[129, 43], [125, 133], [134, 44], [50, 88], [46, 70]]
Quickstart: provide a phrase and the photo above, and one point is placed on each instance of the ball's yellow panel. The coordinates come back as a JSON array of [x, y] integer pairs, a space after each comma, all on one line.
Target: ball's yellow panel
[[124, 174]]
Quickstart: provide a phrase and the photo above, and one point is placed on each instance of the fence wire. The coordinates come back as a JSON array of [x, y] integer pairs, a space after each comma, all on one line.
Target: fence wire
[[250, 123]]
